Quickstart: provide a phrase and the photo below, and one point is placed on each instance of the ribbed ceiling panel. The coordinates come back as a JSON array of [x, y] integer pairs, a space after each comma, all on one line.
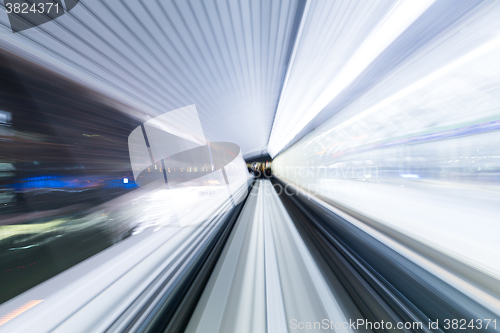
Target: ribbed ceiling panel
[[227, 57]]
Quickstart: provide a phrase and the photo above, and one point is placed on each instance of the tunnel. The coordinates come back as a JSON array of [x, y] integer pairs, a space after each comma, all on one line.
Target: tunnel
[[253, 166]]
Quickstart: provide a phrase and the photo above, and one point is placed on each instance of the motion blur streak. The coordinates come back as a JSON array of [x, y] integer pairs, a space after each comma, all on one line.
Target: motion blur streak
[[18, 311], [388, 154], [255, 285], [420, 160], [118, 282], [386, 29]]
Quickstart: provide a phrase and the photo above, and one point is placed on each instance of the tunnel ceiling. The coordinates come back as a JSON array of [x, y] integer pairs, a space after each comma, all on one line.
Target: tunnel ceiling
[[227, 57], [261, 73]]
